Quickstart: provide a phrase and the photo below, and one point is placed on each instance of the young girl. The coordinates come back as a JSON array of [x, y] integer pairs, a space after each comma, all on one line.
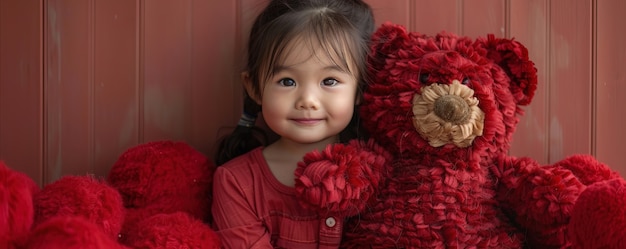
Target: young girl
[[306, 69]]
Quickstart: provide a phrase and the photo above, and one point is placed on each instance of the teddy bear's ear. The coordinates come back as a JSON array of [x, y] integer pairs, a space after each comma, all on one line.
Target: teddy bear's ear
[[387, 40], [512, 57]]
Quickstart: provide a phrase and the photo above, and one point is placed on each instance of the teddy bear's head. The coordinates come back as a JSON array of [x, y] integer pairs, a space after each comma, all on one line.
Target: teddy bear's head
[[445, 94]]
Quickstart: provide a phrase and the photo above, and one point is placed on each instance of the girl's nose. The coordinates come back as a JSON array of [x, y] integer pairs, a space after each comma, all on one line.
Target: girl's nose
[[307, 99]]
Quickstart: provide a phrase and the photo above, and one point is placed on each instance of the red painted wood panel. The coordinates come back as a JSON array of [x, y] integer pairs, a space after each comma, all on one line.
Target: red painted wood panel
[[67, 61], [397, 11], [113, 88], [570, 87], [149, 70], [427, 17], [20, 86], [610, 94], [432, 17], [482, 17], [528, 25], [189, 70], [215, 73], [166, 72]]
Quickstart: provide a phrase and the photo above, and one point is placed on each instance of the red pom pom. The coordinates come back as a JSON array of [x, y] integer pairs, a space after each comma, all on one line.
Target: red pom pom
[[16, 206], [83, 196], [131, 222], [70, 233], [174, 230], [170, 176]]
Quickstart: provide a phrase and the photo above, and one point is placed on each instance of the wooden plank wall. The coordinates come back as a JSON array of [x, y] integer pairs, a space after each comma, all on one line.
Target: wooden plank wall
[[83, 80], [21, 86]]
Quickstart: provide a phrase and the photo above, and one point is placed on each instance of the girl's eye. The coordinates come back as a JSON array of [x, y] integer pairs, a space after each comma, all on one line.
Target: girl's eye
[[466, 81], [424, 78], [287, 82], [330, 82]]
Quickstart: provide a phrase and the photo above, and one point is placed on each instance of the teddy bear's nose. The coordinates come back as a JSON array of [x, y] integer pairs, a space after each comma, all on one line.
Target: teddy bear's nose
[[453, 109]]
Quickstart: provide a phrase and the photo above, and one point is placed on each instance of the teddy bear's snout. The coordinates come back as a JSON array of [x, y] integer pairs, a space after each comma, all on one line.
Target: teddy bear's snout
[[448, 114], [453, 109]]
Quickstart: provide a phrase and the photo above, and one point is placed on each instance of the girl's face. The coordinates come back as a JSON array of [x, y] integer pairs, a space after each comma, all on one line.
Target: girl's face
[[308, 98]]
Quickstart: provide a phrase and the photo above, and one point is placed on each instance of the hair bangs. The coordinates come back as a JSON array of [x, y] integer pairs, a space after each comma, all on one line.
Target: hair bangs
[[325, 30], [335, 36]]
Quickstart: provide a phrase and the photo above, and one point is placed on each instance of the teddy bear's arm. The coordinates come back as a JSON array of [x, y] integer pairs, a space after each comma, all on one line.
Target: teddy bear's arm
[[341, 179], [539, 199]]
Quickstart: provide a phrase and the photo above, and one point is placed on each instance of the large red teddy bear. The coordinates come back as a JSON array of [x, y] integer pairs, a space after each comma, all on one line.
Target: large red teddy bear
[[445, 108]]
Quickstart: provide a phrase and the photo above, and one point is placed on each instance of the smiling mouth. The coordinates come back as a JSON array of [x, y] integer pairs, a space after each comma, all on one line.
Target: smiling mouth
[[306, 121]]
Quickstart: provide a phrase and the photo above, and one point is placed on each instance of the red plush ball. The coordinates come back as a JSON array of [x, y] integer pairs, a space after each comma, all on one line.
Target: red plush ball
[[83, 196], [70, 232], [16, 206], [132, 220], [599, 218], [165, 175], [173, 230]]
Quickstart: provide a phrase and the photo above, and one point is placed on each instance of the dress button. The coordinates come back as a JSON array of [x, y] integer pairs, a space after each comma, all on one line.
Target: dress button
[[331, 222]]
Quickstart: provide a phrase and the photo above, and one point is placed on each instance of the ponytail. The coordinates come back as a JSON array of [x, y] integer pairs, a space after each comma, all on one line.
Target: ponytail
[[245, 137]]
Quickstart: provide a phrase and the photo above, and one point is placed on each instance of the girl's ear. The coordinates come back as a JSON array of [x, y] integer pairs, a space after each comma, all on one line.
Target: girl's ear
[[252, 92]]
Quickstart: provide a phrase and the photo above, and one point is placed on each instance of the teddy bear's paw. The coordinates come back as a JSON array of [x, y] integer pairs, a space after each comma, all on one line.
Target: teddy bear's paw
[[587, 168], [599, 216], [545, 203], [340, 179]]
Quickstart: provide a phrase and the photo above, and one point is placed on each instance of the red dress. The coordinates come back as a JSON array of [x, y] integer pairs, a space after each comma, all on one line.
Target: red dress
[[252, 209]]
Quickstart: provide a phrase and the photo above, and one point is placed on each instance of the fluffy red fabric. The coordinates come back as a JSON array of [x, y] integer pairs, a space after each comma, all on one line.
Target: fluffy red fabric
[[70, 232], [166, 188], [84, 196], [133, 223], [174, 230], [587, 169], [336, 179], [16, 206], [512, 57], [165, 175], [599, 218]]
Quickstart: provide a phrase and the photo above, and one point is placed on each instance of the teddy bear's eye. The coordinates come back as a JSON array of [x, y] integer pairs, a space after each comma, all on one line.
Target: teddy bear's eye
[[424, 78], [466, 81]]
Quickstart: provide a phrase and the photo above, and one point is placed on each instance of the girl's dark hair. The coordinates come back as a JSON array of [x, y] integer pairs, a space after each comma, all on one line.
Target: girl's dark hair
[[342, 28]]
